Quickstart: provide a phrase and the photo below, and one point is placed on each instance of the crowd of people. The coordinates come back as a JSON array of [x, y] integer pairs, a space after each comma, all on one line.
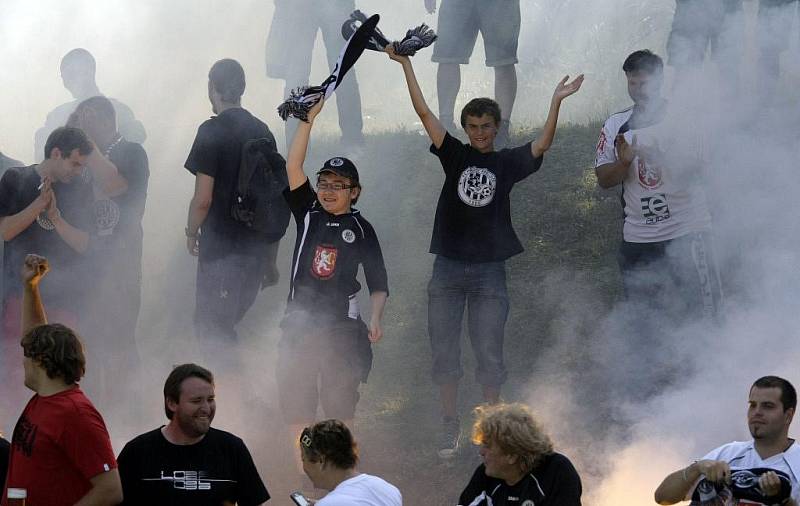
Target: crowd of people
[[75, 219]]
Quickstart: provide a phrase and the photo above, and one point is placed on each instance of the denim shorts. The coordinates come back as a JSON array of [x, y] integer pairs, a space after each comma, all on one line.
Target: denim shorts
[[480, 288]]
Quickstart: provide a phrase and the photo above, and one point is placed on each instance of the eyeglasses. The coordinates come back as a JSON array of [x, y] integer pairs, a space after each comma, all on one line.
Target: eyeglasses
[[322, 186]]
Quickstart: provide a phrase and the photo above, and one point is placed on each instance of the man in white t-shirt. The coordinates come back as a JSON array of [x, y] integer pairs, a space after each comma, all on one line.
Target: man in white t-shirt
[[764, 470], [329, 456], [666, 256]]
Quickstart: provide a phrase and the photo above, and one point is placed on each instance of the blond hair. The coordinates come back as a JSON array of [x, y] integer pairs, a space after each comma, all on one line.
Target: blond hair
[[514, 429]]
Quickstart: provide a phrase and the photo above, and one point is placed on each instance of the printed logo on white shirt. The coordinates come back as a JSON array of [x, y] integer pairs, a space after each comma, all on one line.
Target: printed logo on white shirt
[[476, 186]]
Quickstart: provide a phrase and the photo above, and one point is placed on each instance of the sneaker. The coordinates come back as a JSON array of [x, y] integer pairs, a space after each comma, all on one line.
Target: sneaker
[[450, 438]]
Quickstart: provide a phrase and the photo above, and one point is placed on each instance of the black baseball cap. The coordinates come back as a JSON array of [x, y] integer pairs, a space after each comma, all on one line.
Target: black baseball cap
[[341, 167]]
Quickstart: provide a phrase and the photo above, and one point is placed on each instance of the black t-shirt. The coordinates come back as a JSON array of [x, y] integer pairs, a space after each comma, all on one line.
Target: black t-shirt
[[553, 483], [63, 287], [327, 253], [5, 449], [218, 468], [473, 216], [217, 152], [119, 219]]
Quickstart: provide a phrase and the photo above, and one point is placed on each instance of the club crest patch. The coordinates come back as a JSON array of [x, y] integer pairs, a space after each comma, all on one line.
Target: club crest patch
[[324, 263], [348, 236], [336, 162], [476, 186], [649, 176]]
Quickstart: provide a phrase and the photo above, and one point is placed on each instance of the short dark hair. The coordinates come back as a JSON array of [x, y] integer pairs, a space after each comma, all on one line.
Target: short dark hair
[[67, 139], [101, 106], [331, 441], [788, 393], [478, 107], [179, 374], [643, 60], [80, 57], [58, 349], [227, 77]]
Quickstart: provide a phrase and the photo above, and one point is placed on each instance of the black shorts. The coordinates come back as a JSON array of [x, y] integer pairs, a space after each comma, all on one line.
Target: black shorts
[[321, 363]]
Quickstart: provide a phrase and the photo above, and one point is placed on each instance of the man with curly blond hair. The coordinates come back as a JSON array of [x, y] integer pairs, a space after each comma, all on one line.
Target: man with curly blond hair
[[519, 464]]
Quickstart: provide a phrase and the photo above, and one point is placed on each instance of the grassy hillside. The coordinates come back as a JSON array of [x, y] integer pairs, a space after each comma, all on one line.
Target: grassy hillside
[[570, 230]]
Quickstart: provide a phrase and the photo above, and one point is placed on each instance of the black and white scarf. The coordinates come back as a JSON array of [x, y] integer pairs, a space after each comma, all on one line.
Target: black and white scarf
[[302, 99], [415, 39]]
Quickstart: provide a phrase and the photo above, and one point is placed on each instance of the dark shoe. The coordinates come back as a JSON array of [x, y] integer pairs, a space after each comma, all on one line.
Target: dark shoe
[[450, 438]]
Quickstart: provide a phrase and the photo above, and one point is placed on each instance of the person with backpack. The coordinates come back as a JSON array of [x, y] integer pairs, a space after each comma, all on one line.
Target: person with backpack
[[235, 258]]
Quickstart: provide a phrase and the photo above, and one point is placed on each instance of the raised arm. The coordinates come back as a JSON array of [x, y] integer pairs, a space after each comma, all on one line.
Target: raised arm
[[298, 149], [33, 314], [562, 91], [433, 126], [111, 181]]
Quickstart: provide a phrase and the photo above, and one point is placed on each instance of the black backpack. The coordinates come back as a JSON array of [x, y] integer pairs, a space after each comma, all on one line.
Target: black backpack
[[258, 201]]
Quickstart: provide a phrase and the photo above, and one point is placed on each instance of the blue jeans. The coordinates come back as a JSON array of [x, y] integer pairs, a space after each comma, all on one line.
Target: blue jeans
[[481, 289]]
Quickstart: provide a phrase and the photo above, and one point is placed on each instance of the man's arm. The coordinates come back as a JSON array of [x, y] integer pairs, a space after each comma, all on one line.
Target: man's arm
[[33, 314], [76, 238], [297, 151], [111, 181], [433, 126], [378, 300], [677, 485], [198, 210], [612, 174], [106, 490], [562, 91], [13, 225]]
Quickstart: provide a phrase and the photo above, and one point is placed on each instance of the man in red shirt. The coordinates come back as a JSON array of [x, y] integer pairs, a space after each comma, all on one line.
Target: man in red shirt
[[60, 450]]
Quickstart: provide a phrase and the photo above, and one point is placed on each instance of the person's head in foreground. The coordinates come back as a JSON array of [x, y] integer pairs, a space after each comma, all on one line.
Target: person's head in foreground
[[480, 119], [329, 453], [78, 69], [53, 352], [189, 402], [644, 71], [512, 441], [771, 407], [338, 187]]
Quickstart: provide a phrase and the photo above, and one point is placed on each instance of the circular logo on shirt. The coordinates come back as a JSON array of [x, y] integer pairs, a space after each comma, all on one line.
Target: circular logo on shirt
[[476, 186], [528, 503], [349, 236], [106, 214], [336, 162], [649, 176], [43, 221]]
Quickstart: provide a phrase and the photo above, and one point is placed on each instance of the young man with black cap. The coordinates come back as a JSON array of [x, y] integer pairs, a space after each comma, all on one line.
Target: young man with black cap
[[323, 334]]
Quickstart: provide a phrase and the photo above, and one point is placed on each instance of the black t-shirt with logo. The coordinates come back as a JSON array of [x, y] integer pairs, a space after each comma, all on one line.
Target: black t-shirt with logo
[[327, 253], [217, 152], [18, 188], [216, 469], [118, 220], [555, 482], [473, 216]]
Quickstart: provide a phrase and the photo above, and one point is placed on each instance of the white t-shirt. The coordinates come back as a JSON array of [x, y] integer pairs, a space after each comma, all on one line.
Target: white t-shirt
[[363, 490], [659, 204], [743, 455]]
